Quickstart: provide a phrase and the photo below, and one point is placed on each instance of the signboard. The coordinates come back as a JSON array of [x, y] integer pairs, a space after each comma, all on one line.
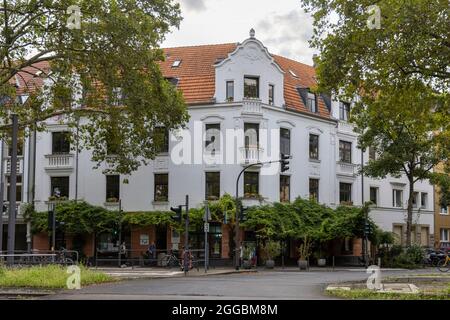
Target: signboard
[[206, 227], [144, 240]]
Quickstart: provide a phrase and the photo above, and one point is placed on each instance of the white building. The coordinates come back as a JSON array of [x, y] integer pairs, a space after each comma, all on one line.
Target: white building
[[236, 86]]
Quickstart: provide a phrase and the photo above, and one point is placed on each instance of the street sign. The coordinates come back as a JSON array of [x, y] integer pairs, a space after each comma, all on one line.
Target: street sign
[[206, 227]]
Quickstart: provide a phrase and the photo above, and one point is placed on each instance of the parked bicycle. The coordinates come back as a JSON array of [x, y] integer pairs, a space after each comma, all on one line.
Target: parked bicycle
[[171, 260], [444, 264]]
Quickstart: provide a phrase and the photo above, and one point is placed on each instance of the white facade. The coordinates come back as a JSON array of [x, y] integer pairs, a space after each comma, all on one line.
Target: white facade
[[251, 58]]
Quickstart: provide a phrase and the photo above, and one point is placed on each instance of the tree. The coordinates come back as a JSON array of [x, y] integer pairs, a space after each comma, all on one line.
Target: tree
[[103, 78], [398, 73], [409, 128], [410, 42]]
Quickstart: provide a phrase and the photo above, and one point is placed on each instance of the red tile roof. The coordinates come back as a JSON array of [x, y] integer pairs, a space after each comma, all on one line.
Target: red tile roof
[[196, 75], [31, 77]]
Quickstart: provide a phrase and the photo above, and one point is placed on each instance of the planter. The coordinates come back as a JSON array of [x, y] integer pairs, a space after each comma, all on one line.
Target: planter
[[321, 262], [270, 264], [302, 264], [247, 264]]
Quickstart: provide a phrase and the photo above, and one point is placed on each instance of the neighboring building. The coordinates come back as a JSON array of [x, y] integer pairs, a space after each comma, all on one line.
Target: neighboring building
[[441, 217], [234, 86]]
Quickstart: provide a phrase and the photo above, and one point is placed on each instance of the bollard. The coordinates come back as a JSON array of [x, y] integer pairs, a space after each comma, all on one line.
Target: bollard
[[333, 263], [379, 262]]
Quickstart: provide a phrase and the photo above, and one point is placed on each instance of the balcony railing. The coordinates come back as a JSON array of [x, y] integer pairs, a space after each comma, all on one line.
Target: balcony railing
[[250, 154], [344, 168], [251, 106], [59, 161], [7, 164]]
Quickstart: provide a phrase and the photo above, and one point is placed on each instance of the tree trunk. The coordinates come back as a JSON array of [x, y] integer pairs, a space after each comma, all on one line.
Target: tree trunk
[[409, 210]]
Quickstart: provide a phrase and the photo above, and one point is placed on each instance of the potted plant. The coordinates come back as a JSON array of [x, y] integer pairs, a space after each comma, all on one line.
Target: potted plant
[[112, 200], [271, 250], [304, 250], [321, 261]]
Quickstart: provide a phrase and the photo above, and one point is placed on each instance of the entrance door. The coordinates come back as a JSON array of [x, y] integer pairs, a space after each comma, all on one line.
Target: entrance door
[[161, 238]]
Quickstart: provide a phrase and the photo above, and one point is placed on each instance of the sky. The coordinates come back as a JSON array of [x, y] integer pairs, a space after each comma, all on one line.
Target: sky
[[281, 25]]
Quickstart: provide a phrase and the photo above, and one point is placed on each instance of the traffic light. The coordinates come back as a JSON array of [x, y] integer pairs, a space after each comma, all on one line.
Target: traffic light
[[367, 229], [177, 215], [242, 214], [284, 162]]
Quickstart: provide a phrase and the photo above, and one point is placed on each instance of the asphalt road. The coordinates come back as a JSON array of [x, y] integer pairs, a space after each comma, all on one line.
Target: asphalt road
[[261, 285]]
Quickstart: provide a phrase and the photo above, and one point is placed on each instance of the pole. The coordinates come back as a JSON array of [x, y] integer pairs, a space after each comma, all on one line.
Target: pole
[[12, 190], [2, 186], [236, 228], [205, 220], [53, 227], [120, 233], [366, 258], [186, 238]]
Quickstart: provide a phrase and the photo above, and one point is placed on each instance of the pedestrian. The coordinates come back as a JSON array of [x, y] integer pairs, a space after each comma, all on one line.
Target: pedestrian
[[152, 250], [123, 253]]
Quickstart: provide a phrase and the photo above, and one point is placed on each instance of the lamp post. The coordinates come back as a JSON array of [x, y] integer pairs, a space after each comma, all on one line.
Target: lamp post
[[12, 191], [365, 245], [284, 163], [2, 186]]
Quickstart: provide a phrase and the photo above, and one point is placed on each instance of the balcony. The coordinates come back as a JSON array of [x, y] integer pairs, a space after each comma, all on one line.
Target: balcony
[[346, 169], [7, 164], [250, 155], [252, 106], [61, 162]]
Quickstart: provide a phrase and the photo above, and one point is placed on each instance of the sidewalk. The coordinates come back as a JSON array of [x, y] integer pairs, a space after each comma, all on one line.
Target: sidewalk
[[142, 273]]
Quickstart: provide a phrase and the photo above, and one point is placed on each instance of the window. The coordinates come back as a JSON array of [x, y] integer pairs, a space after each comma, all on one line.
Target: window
[[212, 137], [251, 135], [345, 193], [374, 195], [444, 209], [311, 102], [372, 153], [344, 111], [161, 187], [251, 184], [314, 146], [251, 87], [162, 139], [285, 188], [314, 189], [20, 141], [444, 235], [18, 188], [60, 142], [230, 90], [285, 141], [423, 200], [176, 63], [345, 151], [112, 188], [397, 198], [117, 96], [59, 185], [212, 186], [271, 94], [414, 199]]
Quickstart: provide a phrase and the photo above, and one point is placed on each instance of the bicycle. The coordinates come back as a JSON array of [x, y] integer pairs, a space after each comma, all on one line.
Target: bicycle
[[444, 264], [63, 259], [170, 260]]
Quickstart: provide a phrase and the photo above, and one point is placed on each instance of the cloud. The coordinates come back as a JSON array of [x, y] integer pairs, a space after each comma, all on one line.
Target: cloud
[[287, 35], [193, 5]]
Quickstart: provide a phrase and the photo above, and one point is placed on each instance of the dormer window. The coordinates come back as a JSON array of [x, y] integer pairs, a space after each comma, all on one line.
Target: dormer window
[[251, 87], [311, 102], [176, 63], [344, 111]]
